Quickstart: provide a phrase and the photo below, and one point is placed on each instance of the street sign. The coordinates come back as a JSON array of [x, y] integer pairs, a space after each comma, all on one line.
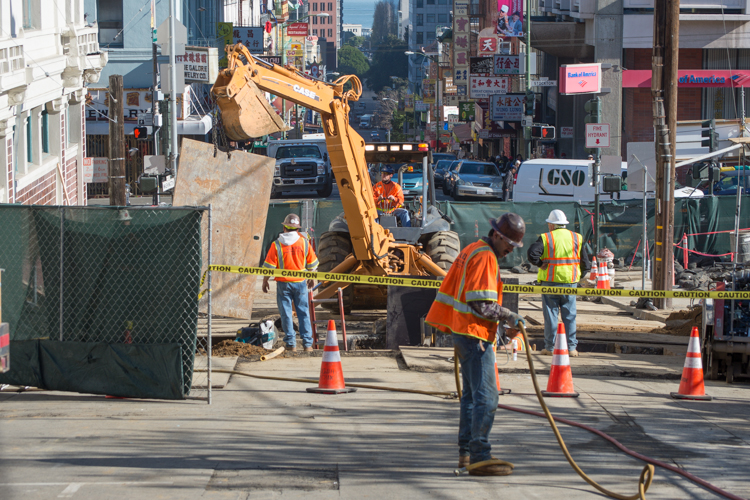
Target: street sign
[[597, 135], [88, 169], [544, 83], [566, 132], [145, 120], [180, 37]]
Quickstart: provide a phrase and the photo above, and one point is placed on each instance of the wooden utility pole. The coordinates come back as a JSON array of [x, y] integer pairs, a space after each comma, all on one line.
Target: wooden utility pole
[[116, 143], [664, 62]]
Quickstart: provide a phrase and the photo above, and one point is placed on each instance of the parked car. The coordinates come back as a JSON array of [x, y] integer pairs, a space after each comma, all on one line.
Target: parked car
[[441, 167], [436, 157], [476, 179], [448, 177]]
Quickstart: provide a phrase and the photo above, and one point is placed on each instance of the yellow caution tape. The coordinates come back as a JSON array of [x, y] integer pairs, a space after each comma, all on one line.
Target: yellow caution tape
[[436, 282]]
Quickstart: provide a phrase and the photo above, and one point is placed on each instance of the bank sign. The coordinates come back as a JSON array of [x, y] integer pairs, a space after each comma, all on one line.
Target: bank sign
[[580, 79], [691, 78]]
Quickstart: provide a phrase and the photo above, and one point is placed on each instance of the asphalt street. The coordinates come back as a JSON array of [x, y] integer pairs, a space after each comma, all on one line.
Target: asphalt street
[[271, 439]]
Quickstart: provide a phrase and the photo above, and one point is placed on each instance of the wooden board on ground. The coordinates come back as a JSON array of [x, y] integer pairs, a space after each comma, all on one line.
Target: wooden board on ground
[[239, 190]]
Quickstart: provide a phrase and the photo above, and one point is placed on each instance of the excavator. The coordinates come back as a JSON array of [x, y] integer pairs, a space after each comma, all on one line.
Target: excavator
[[356, 242]]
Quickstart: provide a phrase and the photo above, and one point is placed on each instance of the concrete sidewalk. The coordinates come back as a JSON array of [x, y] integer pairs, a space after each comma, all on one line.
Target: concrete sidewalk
[[269, 439]]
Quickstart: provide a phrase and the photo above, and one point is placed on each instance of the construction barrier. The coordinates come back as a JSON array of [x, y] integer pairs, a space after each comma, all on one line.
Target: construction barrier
[[429, 282]]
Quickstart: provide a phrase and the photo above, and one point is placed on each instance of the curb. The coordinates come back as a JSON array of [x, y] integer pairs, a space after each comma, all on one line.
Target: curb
[[637, 313]]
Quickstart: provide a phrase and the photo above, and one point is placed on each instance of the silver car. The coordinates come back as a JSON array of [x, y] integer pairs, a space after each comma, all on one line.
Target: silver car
[[476, 179]]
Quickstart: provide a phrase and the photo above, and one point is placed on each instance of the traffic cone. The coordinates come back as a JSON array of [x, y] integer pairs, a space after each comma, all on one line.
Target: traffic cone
[[602, 277], [500, 391], [331, 375], [691, 383], [560, 383], [594, 270]]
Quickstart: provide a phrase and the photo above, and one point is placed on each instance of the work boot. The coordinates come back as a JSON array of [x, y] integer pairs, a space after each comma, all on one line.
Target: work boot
[[545, 352], [573, 353], [463, 461], [292, 348], [492, 470], [308, 349]]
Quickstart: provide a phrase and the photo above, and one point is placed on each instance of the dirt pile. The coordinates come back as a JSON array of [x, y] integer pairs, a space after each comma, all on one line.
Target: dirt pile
[[681, 323], [229, 348]]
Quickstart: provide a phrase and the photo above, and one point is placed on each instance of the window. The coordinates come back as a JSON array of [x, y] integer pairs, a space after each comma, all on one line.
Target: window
[[315, 32], [315, 7], [330, 33], [420, 19], [430, 18], [430, 36], [45, 132], [443, 2], [430, 2], [315, 20], [110, 22], [330, 6], [420, 4], [420, 37], [330, 20], [442, 18]]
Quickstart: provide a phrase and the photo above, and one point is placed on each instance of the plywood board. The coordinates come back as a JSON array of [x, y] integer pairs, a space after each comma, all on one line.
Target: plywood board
[[239, 191]]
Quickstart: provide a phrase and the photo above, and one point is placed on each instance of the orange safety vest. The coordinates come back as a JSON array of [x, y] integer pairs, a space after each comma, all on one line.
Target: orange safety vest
[[298, 256], [474, 276], [386, 190], [562, 256]]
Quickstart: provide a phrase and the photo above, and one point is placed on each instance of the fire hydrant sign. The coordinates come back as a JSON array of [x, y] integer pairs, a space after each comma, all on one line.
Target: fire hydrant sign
[[597, 135]]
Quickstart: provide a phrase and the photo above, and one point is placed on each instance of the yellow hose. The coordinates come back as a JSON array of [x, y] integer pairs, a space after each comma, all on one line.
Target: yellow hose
[[647, 474]]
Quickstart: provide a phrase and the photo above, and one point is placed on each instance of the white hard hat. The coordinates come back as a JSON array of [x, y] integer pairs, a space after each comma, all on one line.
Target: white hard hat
[[504, 9], [557, 217]]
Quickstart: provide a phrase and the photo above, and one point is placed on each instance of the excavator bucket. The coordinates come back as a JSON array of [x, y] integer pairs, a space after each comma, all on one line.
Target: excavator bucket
[[245, 112]]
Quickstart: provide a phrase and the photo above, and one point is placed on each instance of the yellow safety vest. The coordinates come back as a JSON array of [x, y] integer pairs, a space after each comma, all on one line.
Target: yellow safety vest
[[562, 256]]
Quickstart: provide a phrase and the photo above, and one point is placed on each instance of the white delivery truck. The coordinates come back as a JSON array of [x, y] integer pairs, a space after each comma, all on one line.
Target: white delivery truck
[[365, 121], [569, 180]]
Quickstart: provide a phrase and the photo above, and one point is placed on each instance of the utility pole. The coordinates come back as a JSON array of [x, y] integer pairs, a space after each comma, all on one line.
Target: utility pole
[[155, 80], [665, 56], [173, 88], [116, 143]]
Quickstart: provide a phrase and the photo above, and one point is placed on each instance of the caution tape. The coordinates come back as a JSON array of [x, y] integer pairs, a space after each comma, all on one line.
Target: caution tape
[[435, 283]]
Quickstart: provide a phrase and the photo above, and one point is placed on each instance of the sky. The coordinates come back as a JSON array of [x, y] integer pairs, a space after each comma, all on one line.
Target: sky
[[359, 12]]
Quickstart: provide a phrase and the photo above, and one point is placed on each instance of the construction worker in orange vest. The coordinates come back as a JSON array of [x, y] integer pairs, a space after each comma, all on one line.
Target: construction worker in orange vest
[[469, 306], [292, 251], [389, 197], [563, 261]]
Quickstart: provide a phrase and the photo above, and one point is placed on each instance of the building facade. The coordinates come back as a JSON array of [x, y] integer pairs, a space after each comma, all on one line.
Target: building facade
[[424, 18], [329, 27], [48, 51]]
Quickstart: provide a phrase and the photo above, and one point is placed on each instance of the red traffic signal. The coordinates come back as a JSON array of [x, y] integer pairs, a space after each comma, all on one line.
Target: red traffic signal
[[542, 132], [141, 133]]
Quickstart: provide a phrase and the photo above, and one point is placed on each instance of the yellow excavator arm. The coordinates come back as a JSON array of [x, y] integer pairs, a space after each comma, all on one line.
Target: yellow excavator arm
[[246, 114]]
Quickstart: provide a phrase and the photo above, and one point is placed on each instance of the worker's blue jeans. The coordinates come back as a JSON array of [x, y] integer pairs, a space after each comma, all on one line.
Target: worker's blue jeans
[[479, 398], [402, 214], [566, 306], [288, 293]]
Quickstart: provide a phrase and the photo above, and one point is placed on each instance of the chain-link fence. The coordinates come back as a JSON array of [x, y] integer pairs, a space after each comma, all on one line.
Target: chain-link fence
[[104, 300]]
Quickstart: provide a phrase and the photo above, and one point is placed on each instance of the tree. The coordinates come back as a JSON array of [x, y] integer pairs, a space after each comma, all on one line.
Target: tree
[[384, 21], [388, 60], [352, 62], [353, 40]]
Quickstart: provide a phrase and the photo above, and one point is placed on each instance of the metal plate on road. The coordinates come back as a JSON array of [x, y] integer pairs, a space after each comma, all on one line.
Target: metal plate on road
[[597, 135], [544, 83]]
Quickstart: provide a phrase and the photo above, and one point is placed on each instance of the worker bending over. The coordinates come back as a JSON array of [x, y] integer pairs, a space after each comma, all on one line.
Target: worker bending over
[[469, 306], [292, 251], [389, 197], [562, 261]]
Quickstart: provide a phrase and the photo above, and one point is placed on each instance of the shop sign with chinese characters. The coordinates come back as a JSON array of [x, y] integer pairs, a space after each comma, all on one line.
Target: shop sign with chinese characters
[[252, 38], [201, 64], [508, 107], [461, 42], [482, 65], [485, 86], [507, 65]]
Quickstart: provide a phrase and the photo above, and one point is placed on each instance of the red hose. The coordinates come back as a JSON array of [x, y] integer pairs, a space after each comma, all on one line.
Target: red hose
[[621, 447]]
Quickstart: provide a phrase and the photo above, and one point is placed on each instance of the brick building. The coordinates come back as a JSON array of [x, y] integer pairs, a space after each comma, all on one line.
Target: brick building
[[46, 56]]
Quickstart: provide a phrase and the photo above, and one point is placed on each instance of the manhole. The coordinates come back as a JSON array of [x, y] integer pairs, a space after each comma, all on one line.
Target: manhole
[[274, 478]]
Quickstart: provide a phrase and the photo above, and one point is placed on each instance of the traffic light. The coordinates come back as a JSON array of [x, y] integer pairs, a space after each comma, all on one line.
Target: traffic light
[[529, 104], [708, 130], [542, 132], [141, 133]]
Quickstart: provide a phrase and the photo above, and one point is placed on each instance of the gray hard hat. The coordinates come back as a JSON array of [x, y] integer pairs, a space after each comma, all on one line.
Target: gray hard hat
[[511, 227], [291, 221]]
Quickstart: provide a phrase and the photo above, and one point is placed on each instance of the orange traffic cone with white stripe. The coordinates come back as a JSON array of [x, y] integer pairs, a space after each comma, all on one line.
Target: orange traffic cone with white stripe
[[500, 391], [691, 383], [594, 270], [560, 383], [602, 277], [331, 375]]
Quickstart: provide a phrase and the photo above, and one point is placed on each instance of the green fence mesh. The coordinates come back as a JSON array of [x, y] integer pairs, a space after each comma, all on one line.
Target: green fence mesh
[[88, 277]]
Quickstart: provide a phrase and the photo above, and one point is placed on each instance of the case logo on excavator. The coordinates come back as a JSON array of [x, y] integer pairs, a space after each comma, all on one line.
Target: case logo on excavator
[[305, 92]]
